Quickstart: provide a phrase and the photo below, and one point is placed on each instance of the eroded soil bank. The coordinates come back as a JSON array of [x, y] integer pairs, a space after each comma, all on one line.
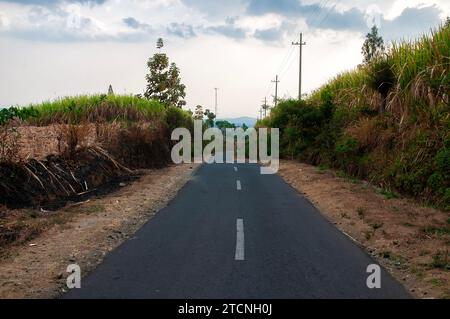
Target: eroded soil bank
[[411, 241]]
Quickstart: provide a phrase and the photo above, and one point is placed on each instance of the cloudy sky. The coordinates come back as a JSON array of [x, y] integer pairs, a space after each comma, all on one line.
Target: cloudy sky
[[52, 48]]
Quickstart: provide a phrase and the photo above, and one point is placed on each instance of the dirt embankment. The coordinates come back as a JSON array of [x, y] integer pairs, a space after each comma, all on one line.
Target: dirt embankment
[[411, 241], [54, 181], [71, 162], [83, 233], [51, 182]]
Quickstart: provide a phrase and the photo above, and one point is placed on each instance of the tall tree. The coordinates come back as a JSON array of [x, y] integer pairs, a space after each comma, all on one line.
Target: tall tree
[[159, 44], [163, 80], [176, 90], [373, 45]]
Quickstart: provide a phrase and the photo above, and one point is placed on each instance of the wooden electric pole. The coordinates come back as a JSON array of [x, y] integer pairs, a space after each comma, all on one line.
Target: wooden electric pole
[[300, 44], [276, 89], [215, 108]]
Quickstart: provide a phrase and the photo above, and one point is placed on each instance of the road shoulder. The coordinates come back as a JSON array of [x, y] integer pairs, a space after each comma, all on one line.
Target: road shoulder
[[410, 241], [85, 233]]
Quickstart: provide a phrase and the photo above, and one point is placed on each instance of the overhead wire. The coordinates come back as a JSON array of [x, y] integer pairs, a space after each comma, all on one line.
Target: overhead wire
[[288, 59]]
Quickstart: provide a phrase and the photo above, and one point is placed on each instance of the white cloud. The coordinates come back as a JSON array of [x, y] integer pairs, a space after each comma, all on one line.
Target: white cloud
[[4, 21]]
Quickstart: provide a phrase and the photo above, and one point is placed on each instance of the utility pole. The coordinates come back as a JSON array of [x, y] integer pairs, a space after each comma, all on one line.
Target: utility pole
[[264, 106], [276, 89], [215, 110], [300, 44], [260, 114]]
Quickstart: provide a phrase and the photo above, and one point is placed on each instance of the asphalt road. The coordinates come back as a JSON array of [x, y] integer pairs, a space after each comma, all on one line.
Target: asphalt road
[[233, 233]]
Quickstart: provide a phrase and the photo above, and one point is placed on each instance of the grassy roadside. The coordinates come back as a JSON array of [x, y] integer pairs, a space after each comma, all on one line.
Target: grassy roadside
[[387, 121]]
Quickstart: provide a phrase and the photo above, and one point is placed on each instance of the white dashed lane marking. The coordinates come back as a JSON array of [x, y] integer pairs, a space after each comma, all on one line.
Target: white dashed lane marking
[[240, 243]]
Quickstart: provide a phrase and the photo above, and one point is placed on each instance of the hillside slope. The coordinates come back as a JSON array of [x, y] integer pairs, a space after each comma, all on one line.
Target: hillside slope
[[387, 121]]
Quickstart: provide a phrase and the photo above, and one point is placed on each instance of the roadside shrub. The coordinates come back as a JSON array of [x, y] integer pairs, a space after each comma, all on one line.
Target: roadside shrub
[[7, 115], [381, 78], [442, 160], [435, 181], [446, 199], [347, 146], [176, 117]]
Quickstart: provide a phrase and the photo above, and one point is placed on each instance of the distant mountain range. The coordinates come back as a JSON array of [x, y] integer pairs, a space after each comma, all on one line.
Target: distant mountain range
[[239, 121]]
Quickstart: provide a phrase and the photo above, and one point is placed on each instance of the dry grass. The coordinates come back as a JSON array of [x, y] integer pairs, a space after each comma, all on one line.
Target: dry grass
[[72, 138], [137, 145], [9, 147], [366, 132]]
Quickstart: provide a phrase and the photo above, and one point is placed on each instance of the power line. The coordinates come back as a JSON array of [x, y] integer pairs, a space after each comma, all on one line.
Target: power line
[[288, 55], [285, 59], [288, 65], [288, 60], [318, 9], [328, 13], [315, 23]]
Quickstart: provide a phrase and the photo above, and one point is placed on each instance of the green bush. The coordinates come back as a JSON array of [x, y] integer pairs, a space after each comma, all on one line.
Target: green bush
[[435, 181], [20, 113], [446, 198], [176, 117], [442, 160], [347, 146]]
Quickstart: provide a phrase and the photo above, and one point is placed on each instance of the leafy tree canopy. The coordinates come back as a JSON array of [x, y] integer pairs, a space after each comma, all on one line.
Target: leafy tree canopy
[[373, 45], [224, 124], [163, 80]]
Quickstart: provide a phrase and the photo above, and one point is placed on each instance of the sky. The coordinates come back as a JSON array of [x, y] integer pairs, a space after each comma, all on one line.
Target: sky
[[54, 48]]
